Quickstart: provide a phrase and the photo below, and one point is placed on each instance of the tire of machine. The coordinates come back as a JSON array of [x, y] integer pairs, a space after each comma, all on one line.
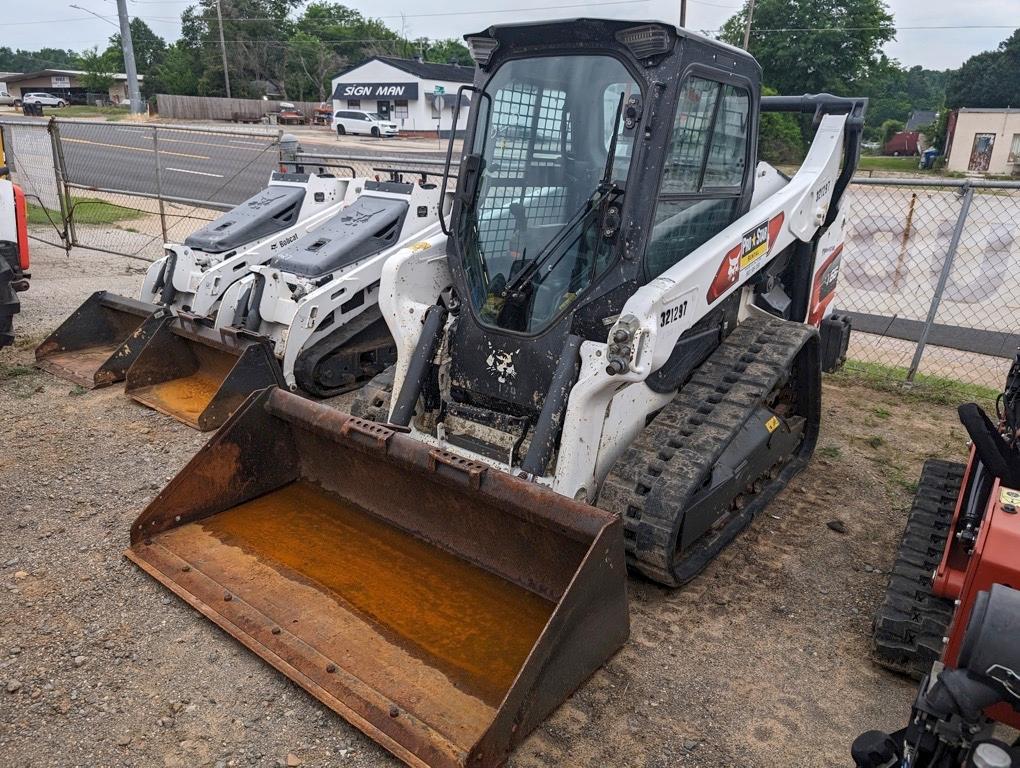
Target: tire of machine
[[665, 485], [910, 623]]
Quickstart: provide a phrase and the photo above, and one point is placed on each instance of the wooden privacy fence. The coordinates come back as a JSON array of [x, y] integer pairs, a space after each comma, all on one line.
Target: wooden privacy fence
[[213, 108]]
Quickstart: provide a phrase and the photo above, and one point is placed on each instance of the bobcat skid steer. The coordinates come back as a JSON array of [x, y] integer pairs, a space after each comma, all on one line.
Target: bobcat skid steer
[[610, 356], [307, 319], [95, 345]]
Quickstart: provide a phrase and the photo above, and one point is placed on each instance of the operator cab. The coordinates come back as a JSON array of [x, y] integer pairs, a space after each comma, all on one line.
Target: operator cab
[[580, 182]]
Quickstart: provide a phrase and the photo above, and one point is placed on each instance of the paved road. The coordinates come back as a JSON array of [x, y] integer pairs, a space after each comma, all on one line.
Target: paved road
[[222, 168]]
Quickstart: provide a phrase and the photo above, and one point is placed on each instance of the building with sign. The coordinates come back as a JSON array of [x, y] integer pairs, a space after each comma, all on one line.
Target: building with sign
[[984, 141], [418, 96], [67, 84]]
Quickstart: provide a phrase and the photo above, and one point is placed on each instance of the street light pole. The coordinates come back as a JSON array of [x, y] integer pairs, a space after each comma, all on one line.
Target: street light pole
[[134, 96], [747, 26], [223, 48], [683, 13]]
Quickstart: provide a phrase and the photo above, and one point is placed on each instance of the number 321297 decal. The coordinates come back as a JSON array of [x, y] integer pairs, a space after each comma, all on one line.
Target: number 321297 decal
[[672, 314]]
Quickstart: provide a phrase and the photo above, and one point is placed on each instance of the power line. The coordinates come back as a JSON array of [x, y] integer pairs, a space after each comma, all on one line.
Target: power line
[[391, 16]]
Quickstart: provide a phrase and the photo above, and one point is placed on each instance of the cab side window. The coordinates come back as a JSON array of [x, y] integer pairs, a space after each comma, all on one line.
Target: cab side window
[[703, 172]]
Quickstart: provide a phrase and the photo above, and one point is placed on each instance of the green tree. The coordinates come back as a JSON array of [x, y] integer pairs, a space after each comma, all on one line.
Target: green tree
[[149, 47], [779, 139], [30, 61], [804, 46], [256, 34], [889, 129], [313, 63], [450, 51], [329, 37], [989, 79], [178, 73], [98, 71]]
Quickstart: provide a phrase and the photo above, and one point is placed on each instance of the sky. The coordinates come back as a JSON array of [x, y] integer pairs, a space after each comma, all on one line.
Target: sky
[[53, 23]]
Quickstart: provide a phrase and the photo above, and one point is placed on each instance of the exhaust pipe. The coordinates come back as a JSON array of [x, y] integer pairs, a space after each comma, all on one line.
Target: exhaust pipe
[[442, 607], [96, 345], [200, 375]]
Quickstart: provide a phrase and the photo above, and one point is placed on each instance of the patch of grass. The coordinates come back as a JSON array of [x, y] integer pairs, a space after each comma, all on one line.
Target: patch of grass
[[924, 388], [85, 210], [87, 110], [13, 371], [830, 452], [886, 163], [882, 413], [875, 441], [78, 390]]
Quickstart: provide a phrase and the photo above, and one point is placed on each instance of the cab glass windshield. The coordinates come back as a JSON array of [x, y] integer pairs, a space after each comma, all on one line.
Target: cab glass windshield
[[531, 236]]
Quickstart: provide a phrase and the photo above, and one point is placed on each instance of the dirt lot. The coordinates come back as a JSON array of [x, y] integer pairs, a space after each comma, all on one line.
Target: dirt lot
[[762, 661]]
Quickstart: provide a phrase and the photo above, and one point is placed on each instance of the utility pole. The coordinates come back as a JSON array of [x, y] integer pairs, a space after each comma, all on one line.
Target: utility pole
[[134, 96], [223, 47], [747, 26], [683, 13]]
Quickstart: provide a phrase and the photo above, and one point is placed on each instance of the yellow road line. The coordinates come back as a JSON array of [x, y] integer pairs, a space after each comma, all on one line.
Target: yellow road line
[[133, 149]]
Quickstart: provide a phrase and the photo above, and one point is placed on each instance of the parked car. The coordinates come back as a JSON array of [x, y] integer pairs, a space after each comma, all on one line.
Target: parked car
[[44, 99], [356, 121], [6, 100]]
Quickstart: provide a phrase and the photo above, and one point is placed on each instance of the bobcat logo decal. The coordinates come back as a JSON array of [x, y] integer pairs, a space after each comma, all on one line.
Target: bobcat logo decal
[[501, 364]]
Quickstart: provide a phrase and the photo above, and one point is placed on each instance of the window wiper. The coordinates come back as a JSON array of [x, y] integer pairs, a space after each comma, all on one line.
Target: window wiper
[[605, 187]]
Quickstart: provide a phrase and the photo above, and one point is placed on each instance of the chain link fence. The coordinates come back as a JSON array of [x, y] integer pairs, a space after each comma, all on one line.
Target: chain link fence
[[930, 278], [29, 151], [929, 272], [128, 188]]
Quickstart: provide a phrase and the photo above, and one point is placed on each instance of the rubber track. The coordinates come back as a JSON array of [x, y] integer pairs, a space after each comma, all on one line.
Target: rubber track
[[673, 455], [911, 622]]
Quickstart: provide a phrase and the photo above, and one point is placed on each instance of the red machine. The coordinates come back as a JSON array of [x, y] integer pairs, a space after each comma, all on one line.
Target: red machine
[[962, 537], [984, 543], [13, 253], [951, 614]]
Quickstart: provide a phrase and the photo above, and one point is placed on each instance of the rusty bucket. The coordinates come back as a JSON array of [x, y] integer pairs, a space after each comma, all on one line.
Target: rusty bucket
[[96, 345], [201, 375], [442, 607]]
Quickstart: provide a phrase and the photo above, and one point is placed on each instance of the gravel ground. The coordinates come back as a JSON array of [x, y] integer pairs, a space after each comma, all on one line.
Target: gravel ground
[[761, 661]]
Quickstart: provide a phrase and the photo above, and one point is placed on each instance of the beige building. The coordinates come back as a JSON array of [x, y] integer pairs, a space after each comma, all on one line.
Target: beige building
[[985, 141], [67, 84]]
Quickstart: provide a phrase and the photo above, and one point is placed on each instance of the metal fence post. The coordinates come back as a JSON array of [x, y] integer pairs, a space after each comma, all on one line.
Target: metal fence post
[[67, 235], [159, 182], [947, 267]]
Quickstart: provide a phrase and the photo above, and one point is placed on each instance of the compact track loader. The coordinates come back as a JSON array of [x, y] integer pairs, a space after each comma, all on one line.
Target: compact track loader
[[307, 319], [609, 356], [96, 345]]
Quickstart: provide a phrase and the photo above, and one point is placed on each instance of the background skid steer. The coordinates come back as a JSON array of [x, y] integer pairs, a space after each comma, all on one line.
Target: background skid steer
[[612, 346], [308, 319], [442, 607], [96, 345]]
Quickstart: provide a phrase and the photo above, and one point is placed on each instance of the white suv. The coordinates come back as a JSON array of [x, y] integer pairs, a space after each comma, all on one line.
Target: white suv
[[356, 121], [45, 99]]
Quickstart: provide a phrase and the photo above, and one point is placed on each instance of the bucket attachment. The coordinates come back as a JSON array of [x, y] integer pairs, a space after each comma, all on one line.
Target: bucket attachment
[[442, 607], [96, 345], [201, 375]]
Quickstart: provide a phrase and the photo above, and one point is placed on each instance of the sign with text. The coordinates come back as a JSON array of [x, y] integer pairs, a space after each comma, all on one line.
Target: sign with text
[[60, 81], [376, 91]]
